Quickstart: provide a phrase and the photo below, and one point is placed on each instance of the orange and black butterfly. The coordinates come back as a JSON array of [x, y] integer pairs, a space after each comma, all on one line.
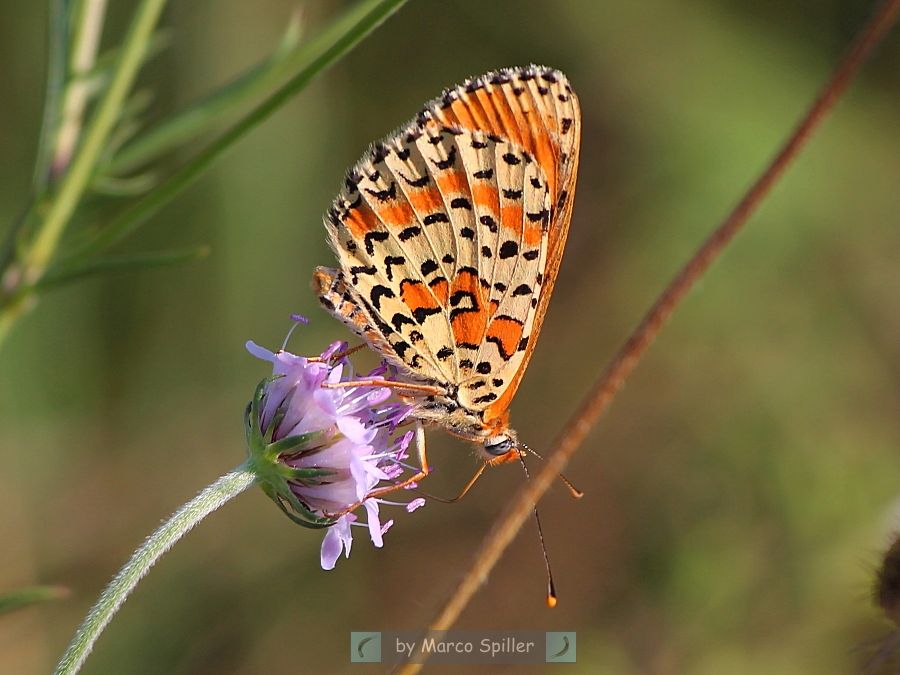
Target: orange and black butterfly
[[449, 236]]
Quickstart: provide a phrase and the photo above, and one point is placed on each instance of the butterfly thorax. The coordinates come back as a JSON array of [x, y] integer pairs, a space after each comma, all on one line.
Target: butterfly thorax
[[493, 436]]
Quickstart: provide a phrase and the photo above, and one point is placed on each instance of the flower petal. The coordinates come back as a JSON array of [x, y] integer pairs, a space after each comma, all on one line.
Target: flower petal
[[374, 523], [416, 503], [331, 548]]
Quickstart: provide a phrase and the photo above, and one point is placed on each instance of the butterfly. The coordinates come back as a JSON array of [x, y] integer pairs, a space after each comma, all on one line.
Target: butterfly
[[449, 235]]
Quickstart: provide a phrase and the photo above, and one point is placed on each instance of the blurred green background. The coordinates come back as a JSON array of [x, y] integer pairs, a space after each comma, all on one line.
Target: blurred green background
[[737, 495]]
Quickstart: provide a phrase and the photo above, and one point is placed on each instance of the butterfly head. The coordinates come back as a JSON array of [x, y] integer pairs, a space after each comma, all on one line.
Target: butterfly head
[[501, 448]]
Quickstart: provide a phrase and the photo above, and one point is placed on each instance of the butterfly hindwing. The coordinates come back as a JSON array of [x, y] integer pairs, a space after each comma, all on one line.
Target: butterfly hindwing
[[449, 234]]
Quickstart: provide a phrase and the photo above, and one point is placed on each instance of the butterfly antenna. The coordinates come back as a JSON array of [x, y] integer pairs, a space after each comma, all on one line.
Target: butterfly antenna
[[551, 587], [576, 493]]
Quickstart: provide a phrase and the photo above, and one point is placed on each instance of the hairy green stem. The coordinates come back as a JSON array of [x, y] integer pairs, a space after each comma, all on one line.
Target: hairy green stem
[[224, 489]]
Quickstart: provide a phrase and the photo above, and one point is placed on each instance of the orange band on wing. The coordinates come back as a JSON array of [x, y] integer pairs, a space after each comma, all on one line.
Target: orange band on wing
[[441, 290], [361, 220], [533, 234], [462, 114], [469, 313], [453, 182], [511, 217], [426, 200], [506, 334], [416, 296], [485, 196], [396, 214]]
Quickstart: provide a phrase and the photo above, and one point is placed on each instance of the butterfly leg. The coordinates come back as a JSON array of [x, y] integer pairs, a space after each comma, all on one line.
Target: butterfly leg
[[340, 355], [425, 389], [424, 469]]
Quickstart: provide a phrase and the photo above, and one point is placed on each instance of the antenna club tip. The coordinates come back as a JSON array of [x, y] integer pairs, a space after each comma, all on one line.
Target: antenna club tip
[[551, 601]]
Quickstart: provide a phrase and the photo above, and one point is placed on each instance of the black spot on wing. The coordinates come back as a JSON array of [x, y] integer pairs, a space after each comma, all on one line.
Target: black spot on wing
[[389, 262], [433, 218], [409, 232], [379, 292], [376, 235], [386, 194], [489, 223], [356, 270], [449, 161], [419, 182], [399, 320], [422, 313], [508, 249], [522, 289]]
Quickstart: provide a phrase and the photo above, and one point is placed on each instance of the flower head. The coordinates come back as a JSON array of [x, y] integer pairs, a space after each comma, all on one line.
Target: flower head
[[320, 446]]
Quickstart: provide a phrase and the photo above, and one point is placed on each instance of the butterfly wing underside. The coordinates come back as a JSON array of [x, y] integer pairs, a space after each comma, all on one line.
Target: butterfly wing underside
[[449, 234]]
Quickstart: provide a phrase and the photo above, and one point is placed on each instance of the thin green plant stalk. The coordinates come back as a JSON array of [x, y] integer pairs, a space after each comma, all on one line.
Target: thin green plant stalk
[[78, 174], [88, 28], [314, 57], [97, 131], [179, 524]]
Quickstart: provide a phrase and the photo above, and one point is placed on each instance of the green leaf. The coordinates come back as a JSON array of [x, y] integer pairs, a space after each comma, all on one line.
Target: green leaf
[[212, 111], [317, 55], [56, 277], [71, 189], [24, 597], [288, 443], [58, 41], [124, 187], [310, 475], [106, 63], [57, 65], [256, 444]]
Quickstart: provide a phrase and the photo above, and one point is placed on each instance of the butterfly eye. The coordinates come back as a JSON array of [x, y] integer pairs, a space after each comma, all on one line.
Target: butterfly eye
[[498, 445]]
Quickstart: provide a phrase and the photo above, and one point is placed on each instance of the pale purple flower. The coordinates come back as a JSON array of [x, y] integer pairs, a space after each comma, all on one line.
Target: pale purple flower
[[355, 439]]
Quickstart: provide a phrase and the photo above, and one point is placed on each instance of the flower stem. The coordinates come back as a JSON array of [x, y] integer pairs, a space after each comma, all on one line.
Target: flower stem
[[211, 498]]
